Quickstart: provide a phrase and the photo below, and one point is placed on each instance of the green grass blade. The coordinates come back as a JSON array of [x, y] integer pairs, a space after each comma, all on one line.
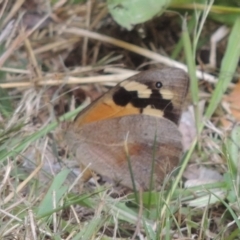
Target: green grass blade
[[228, 68], [190, 58], [16, 145], [57, 188]]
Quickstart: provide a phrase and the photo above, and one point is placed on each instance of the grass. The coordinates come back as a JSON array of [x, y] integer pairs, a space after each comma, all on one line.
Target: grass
[[45, 204]]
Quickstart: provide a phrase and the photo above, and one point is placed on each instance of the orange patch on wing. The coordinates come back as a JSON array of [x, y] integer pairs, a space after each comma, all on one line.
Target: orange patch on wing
[[135, 149], [105, 110]]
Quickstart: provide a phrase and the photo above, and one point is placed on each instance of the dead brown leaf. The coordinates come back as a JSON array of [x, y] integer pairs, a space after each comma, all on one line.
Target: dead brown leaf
[[233, 100]]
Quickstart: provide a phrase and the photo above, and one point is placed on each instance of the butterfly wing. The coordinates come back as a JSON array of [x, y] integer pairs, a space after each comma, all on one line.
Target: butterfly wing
[[107, 145], [154, 92]]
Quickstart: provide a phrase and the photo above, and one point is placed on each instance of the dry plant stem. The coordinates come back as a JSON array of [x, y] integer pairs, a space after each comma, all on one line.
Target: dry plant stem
[[72, 80], [95, 53], [14, 70], [3, 8], [138, 50], [59, 4], [38, 72], [7, 32], [7, 171], [14, 204], [11, 229], [54, 214], [14, 9], [71, 235], [101, 15], [11, 215], [26, 224], [118, 70], [22, 184], [75, 215], [85, 41], [33, 58], [15, 44], [75, 71], [19, 41], [32, 224], [51, 46], [79, 178], [98, 211]]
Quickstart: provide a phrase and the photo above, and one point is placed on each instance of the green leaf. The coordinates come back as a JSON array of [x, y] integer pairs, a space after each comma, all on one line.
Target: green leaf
[[127, 13]]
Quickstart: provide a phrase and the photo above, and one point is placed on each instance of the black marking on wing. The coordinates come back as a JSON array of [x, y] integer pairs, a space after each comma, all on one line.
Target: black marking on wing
[[122, 97]]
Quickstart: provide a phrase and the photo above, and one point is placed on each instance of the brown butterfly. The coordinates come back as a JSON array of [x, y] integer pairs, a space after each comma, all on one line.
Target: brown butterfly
[[134, 125]]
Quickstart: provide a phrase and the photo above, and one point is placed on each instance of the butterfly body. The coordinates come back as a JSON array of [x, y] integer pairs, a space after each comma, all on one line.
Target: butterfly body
[[134, 125]]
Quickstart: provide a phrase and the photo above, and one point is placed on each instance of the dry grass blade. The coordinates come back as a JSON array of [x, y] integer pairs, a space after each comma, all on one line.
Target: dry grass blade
[[138, 50], [23, 184], [13, 11], [71, 80]]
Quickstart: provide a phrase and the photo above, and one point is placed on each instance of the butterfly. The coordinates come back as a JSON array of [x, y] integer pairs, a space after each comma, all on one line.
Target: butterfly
[[130, 134]]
